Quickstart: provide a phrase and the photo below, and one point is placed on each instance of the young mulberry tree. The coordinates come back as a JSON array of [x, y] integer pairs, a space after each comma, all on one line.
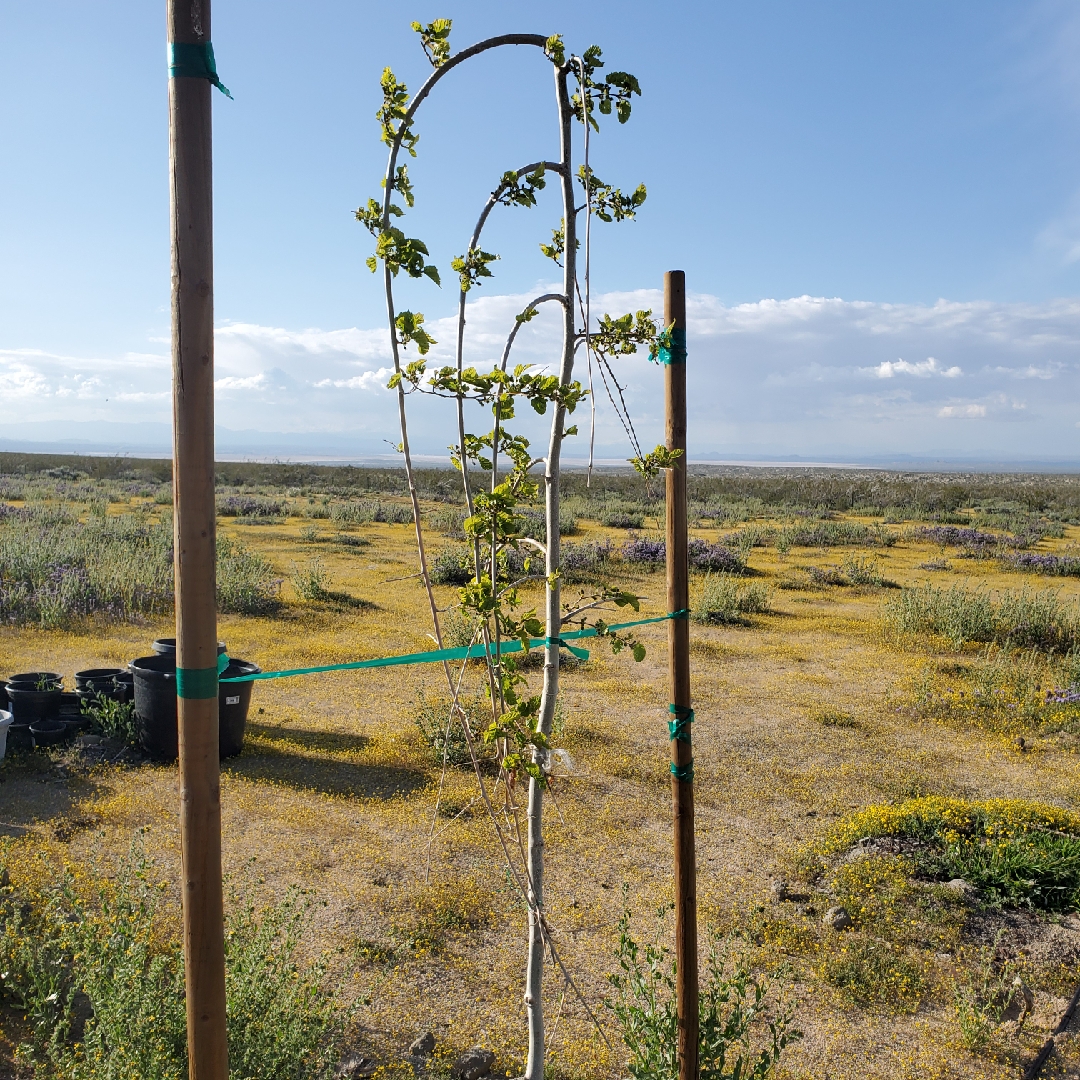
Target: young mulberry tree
[[499, 469]]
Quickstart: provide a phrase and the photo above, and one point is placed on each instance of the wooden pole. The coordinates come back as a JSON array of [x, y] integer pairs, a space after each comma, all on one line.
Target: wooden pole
[[682, 757], [194, 520]]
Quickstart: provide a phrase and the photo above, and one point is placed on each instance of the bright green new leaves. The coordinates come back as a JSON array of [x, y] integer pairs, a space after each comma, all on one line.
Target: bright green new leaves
[[370, 217], [555, 50], [391, 116], [608, 203], [411, 331], [557, 248], [615, 91], [435, 37], [399, 252], [490, 386], [402, 183], [651, 464], [512, 191], [472, 266], [623, 336]]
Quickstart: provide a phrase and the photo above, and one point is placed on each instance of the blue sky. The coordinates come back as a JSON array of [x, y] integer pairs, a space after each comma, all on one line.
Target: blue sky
[[891, 155]]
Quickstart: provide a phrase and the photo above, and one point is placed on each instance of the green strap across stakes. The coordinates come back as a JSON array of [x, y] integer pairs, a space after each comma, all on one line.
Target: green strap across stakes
[[192, 60], [464, 653]]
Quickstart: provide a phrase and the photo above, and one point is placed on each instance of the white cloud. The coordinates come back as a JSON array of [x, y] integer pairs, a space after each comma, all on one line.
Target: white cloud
[[809, 375], [924, 368]]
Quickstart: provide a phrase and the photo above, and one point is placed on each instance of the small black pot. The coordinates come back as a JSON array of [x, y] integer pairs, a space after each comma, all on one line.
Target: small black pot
[[166, 646], [48, 732], [32, 679], [3, 694], [155, 706], [126, 681], [76, 725], [113, 693], [29, 705], [19, 737], [70, 704], [103, 678]]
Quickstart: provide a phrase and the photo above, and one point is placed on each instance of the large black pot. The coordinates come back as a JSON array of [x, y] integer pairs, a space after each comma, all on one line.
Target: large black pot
[[234, 700], [102, 678], [3, 694], [155, 706], [28, 705], [166, 646]]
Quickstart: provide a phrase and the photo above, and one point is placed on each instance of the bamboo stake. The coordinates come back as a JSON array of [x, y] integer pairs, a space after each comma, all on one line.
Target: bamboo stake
[[678, 598], [194, 544]]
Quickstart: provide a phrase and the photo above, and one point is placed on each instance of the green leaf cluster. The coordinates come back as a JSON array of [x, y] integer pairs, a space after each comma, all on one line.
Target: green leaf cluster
[[614, 91], [609, 203], [435, 38], [472, 266], [513, 191], [391, 115]]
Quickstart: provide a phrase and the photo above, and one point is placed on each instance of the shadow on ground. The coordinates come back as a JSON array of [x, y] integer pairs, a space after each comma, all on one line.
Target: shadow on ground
[[34, 793], [303, 769]]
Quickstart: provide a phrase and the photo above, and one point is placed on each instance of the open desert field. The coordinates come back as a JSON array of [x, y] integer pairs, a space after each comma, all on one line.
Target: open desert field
[[887, 722]]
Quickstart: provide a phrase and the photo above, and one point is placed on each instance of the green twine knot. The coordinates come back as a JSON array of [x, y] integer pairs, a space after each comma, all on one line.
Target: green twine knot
[[676, 354], [194, 60], [679, 728], [685, 773], [581, 654]]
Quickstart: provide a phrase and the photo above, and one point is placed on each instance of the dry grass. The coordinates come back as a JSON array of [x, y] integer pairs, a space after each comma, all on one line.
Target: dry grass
[[803, 717]]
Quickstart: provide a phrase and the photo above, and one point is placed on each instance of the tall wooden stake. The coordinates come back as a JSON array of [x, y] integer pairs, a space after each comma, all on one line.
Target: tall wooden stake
[[194, 542], [682, 757]]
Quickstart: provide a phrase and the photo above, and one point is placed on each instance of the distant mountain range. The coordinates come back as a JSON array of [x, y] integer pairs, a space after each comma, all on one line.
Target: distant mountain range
[[155, 440]]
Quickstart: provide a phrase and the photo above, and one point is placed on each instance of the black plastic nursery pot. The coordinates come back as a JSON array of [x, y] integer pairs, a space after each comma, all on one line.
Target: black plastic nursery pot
[[97, 678], [155, 706], [3, 694], [166, 646], [34, 680], [27, 705], [48, 732], [126, 682], [19, 737], [70, 704]]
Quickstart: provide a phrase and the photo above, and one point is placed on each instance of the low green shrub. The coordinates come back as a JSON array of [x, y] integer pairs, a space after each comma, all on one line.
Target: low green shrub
[[743, 1028], [1017, 853], [103, 992], [1022, 619], [725, 598]]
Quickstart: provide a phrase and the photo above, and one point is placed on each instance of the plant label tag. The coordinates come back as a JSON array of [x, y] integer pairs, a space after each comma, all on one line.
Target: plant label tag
[[233, 700]]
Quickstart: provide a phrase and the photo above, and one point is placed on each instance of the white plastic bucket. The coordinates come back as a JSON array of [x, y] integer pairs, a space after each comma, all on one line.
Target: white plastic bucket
[[5, 723]]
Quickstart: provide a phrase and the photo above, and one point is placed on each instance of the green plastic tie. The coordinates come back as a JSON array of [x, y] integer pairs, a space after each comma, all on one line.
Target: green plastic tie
[[437, 655], [581, 654], [682, 613], [685, 773], [197, 682], [200, 682], [677, 353], [194, 60], [679, 728]]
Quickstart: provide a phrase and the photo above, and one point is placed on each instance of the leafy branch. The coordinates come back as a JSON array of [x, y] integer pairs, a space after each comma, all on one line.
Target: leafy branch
[[472, 266], [435, 38], [609, 203], [391, 115]]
